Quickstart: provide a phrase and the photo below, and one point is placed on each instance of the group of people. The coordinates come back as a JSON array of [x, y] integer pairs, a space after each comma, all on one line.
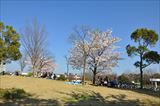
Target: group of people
[[48, 75], [106, 82], [114, 83], [101, 81]]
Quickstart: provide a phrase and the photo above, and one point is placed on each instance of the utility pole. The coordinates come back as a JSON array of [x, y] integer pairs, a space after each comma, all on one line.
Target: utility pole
[[67, 63]]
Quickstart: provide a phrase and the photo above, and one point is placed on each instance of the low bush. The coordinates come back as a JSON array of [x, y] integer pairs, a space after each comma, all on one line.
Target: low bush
[[62, 78], [13, 93], [30, 74]]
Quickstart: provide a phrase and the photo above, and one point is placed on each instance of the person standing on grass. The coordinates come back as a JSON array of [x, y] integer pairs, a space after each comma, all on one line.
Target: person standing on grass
[[54, 77]]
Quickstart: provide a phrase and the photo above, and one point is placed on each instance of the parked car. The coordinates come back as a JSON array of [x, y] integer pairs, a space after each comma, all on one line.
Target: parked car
[[127, 85], [113, 83]]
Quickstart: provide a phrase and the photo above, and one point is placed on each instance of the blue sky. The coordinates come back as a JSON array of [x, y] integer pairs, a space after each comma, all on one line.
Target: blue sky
[[60, 17]]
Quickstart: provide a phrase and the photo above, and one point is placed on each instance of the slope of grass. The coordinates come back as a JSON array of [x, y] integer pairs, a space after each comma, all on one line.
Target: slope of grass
[[53, 93]]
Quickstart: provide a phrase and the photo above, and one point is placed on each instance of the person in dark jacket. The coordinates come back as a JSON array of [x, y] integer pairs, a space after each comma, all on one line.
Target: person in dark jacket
[[54, 77]]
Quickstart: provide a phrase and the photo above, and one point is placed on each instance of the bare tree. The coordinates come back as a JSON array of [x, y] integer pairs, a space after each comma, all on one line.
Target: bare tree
[[34, 42], [22, 62]]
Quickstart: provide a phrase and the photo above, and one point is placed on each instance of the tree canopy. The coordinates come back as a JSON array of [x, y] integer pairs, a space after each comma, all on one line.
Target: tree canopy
[[145, 38], [9, 44], [97, 48], [34, 40]]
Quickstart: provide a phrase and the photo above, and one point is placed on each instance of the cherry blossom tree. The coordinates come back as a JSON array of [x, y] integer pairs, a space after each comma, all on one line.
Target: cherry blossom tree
[[46, 63], [102, 55], [95, 50], [80, 51]]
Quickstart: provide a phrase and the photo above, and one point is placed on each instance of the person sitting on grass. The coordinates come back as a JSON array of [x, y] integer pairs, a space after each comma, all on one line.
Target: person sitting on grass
[[44, 75], [100, 81], [106, 81]]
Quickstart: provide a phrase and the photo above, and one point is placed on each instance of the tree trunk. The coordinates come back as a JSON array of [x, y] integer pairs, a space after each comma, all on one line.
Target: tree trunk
[[94, 76], [33, 70], [84, 67], [67, 71], [141, 72], [141, 78]]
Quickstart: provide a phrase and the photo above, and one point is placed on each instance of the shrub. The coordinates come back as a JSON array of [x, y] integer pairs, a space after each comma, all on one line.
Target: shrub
[[62, 78], [30, 74], [123, 79], [13, 93]]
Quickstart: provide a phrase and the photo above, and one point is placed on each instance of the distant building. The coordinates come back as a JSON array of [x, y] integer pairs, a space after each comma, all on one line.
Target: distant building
[[24, 73]]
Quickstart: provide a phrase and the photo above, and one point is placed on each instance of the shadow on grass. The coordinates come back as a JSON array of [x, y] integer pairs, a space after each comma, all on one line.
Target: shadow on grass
[[78, 98], [96, 99], [30, 102], [144, 91], [18, 97], [147, 92], [141, 91]]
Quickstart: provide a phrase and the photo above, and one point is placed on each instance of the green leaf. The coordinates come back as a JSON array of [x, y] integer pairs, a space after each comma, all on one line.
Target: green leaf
[[9, 43], [152, 57], [145, 36], [131, 50]]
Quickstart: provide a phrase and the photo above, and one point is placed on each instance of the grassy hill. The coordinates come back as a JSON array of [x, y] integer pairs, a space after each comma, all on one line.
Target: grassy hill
[[45, 92]]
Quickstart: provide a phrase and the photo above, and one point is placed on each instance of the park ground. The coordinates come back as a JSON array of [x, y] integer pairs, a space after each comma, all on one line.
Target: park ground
[[45, 92]]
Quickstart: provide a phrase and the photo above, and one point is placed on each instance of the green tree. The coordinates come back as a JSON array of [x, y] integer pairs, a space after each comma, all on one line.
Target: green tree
[[123, 79], [9, 44], [145, 38]]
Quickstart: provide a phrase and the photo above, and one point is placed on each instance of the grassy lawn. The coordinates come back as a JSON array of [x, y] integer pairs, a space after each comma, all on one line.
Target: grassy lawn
[[44, 92]]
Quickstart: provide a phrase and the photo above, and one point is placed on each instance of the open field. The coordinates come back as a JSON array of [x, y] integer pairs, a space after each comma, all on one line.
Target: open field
[[53, 93]]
